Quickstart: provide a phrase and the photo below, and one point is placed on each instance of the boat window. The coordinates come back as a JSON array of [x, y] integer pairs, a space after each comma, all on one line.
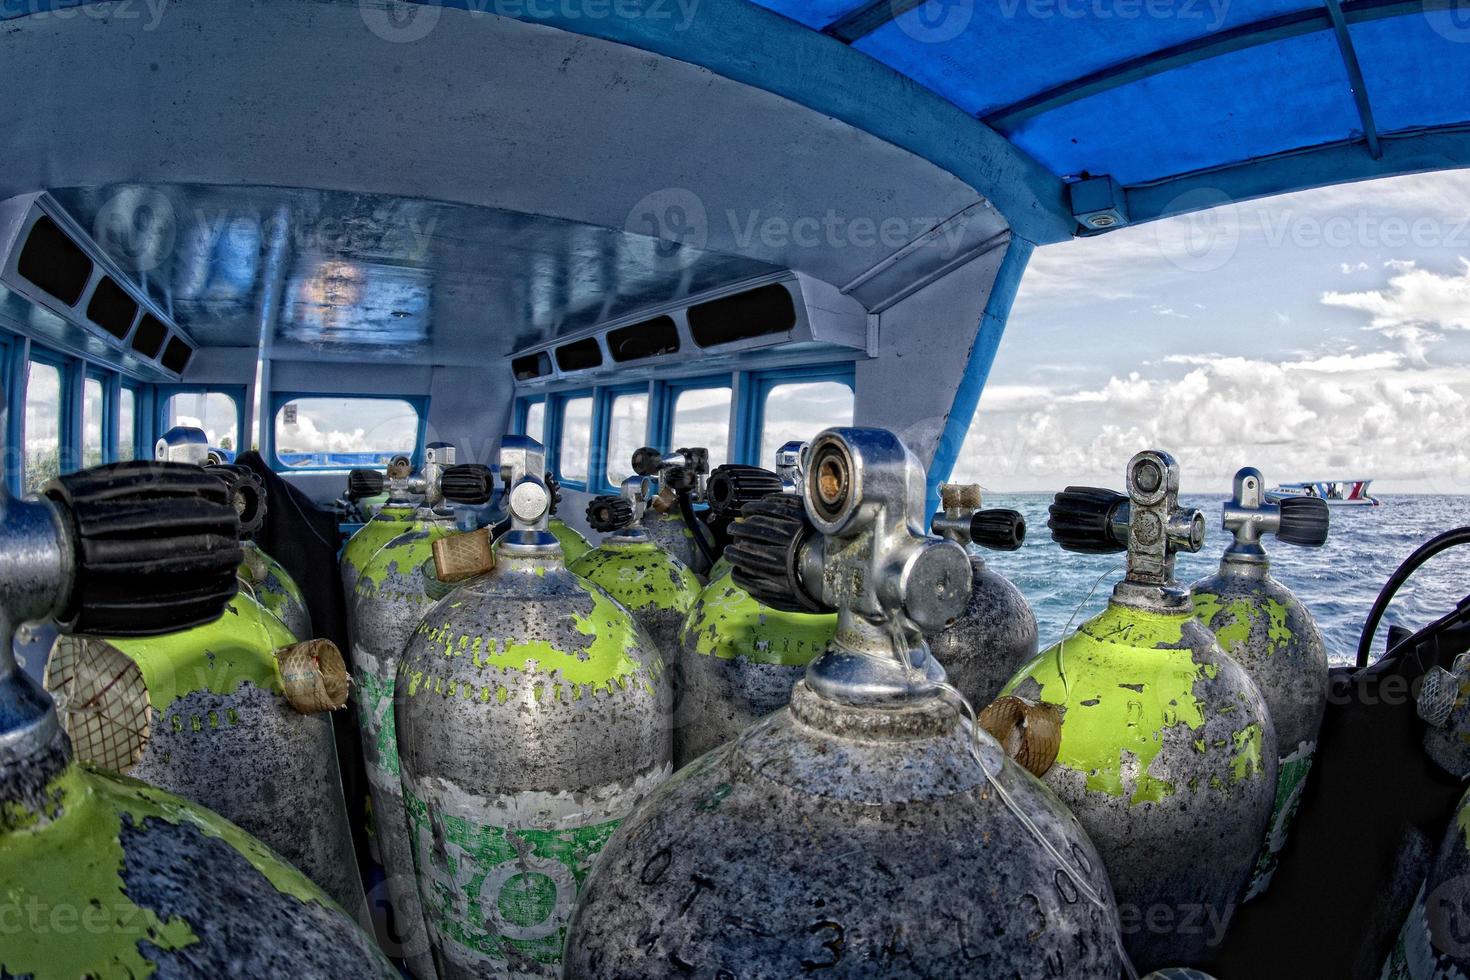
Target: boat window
[[800, 411], [127, 424], [702, 418], [535, 426], [337, 433], [627, 432], [576, 440], [94, 418], [42, 426], [212, 411]]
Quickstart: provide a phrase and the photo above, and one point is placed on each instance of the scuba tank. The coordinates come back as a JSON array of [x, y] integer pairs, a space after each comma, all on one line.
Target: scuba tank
[[573, 545], [739, 658], [1168, 754], [390, 519], [103, 875], [206, 713], [532, 715], [393, 592], [670, 519], [260, 574], [657, 588], [867, 829], [1267, 630], [997, 632]]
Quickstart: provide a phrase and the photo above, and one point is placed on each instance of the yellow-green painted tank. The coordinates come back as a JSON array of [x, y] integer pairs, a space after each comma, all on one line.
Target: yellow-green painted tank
[[389, 522], [264, 579], [203, 713], [738, 661], [573, 544], [657, 588]]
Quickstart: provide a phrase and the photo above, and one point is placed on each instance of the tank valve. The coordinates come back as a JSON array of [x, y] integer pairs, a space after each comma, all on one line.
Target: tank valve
[[247, 493], [1248, 515], [962, 521], [1148, 522], [365, 483], [467, 483], [856, 552], [791, 465], [732, 486], [684, 470]]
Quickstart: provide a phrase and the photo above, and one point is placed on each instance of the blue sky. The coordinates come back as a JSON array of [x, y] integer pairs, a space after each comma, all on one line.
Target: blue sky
[[1323, 334]]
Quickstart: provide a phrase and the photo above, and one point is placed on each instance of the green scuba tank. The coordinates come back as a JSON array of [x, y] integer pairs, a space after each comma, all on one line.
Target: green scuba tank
[[532, 715], [261, 576], [1268, 631], [573, 544], [996, 634], [102, 875], [657, 588], [205, 713], [389, 521], [1168, 753], [681, 479], [867, 830], [392, 595]]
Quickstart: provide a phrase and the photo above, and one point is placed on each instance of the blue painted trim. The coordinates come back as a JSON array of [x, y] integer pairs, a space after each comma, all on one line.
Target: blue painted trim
[[278, 400], [162, 393], [757, 390], [977, 369], [555, 421], [749, 44], [13, 363], [138, 425], [68, 409], [602, 433], [672, 391], [1355, 77], [859, 23]]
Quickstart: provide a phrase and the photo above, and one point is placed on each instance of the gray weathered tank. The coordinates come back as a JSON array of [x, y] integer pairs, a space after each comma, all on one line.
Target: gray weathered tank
[[105, 875], [1267, 630], [867, 830], [1168, 754], [532, 715], [391, 596], [657, 588], [996, 633]]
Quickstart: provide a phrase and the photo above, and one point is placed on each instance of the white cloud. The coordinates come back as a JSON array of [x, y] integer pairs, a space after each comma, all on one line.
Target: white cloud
[[303, 436], [1417, 306], [1348, 268]]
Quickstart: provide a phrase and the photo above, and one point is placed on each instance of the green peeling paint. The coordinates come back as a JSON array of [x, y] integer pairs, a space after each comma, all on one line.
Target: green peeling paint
[[1247, 760], [639, 575], [61, 880], [274, 589], [615, 654], [518, 883], [573, 545], [1231, 620], [403, 553], [729, 624], [1122, 681], [386, 525], [218, 657]]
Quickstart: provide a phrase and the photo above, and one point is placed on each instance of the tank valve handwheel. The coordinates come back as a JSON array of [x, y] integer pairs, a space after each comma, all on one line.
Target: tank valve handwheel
[[647, 461], [1304, 521], [764, 549], [732, 486], [467, 483], [247, 491], [1083, 520], [998, 529], [364, 483], [553, 488], [609, 513], [156, 547]]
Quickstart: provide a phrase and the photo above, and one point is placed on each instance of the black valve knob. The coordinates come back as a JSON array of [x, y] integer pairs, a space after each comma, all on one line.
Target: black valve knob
[[1304, 521], [247, 491], [732, 486], [998, 529], [1082, 520], [554, 489], [609, 513], [647, 461], [157, 546], [764, 547], [467, 483], [364, 483]]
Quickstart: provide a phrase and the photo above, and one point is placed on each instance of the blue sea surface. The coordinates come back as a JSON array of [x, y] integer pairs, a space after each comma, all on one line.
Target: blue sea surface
[[1338, 582]]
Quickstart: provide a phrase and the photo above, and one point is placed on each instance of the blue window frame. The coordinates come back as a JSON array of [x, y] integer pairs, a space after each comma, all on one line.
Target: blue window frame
[[667, 427], [756, 392], [346, 459], [530, 418], [163, 399], [611, 452], [47, 415], [570, 422]]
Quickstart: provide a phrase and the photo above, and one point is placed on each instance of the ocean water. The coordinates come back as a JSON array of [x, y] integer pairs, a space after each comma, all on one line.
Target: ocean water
[[1338, 582]]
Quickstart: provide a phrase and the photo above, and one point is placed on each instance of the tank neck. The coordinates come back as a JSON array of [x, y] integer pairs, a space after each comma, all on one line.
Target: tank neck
[[528, 551], [629, 537], [874, 665], [1165, 600], [927, 717], [1246, 565]]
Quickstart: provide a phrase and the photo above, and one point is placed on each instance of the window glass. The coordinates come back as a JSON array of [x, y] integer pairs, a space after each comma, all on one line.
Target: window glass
[[127, 432], [211, 411], [345, 432], [92, 421], [42, 426], [702, 419], [576, 437], [627, 430], [799, 411], [536, 422]]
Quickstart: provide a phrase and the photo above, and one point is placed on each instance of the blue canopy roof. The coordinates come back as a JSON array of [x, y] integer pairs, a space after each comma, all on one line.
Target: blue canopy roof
[[1147, 91]]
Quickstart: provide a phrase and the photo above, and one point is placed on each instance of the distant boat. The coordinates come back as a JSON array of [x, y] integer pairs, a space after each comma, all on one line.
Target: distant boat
[[1338, 493]]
